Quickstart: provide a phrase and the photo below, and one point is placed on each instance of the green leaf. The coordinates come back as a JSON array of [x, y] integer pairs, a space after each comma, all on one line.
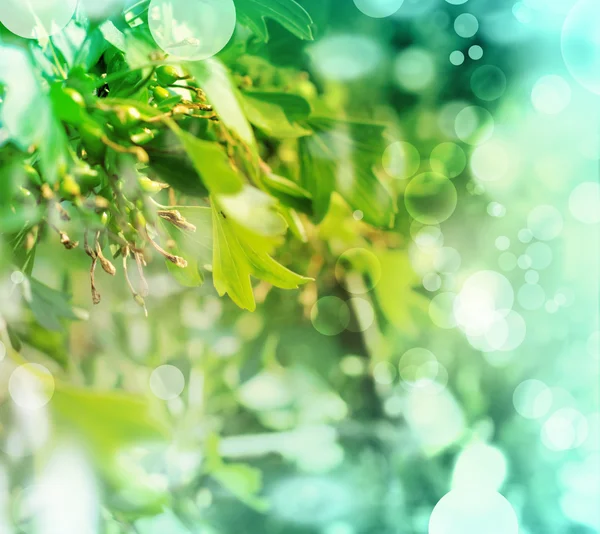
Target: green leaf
[[341, 156], [194, 247], [214, 79], [231, 272], [109, 420], [211, 163], [254, 211], [277, 114], [402, 306], [289, 193], [27, 115], [266, 268], [48, 305], [288, 13], [242, 480], [242, 246], [170, 163]]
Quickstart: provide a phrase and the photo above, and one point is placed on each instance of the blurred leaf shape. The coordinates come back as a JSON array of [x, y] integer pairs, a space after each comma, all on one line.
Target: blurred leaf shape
[[277, 114], [341, 156], [288, 13]]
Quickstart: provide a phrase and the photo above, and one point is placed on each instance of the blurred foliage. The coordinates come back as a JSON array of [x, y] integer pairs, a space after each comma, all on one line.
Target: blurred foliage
[[272, 173]]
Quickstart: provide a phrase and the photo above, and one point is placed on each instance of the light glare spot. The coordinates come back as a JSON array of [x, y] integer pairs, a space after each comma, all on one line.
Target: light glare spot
[[466, 25], [550, 95], [475, 52], [545, 222], [330, 316], [192, 30], [584, 202], [36, 19], [401, 160], [532, 399], [466, 511], [167, 382], [414, 69], [378, 9], [31, 386]]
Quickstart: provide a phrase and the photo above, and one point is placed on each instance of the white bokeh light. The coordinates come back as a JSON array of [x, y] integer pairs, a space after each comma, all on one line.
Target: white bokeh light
[[100, 9], [468, 511], [378, 8], [532, 399], [34, 19], [484, 297], [584, 202], [466, 25], [31, 386], [565, 429], [474, 125], [345, 57], [581, 45], [414, 69], [192, 30], [479, 466], [401, 160], [551, 95], [488, 83], [167, 382], [545, 222]]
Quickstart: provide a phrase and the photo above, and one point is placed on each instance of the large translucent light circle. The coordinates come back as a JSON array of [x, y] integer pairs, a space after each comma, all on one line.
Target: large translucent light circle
[[531, 296], [434, 416], [488, 82], [31, 386], [484, 297], [414, 69], [418, 367], [440, 310], [192, 29], [491, 161], [430, 198], [97, 10], [504, 332], [447, 260], [427, 238], [401, 160], [475, 52], [358, 262], [545, 222], [167, 382], [565, 429], [479, 465], [584, 201], [35, 19], [474, 125], [540, 254], [265, 391], [345, 57], [532, 399], [470, 511], [448, 159], [363, 316], [415, 8], [550, 95], [457, 58], [330, 316], [466, 25], [447, 117], [384, 373], [378, 9], [581, 45]]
